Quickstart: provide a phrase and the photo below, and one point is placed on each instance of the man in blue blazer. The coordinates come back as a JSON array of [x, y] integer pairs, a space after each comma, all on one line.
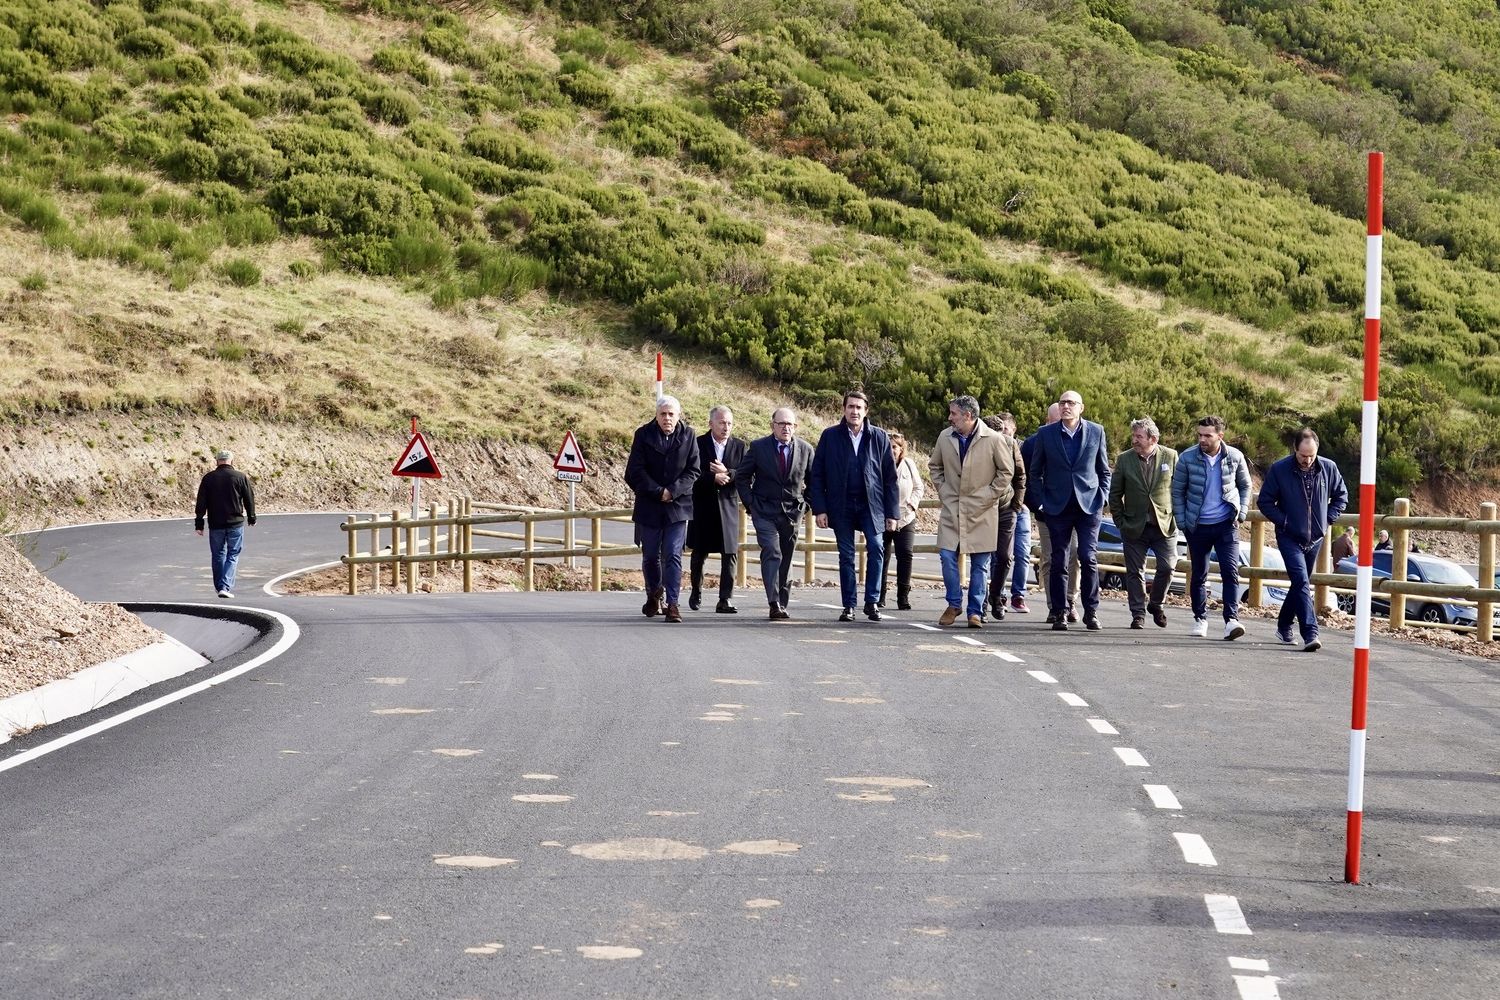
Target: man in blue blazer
[[1068, 482], [853, 486]]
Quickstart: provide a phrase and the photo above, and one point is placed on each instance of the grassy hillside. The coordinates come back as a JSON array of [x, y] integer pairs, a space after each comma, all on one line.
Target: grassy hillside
[[335, 213]]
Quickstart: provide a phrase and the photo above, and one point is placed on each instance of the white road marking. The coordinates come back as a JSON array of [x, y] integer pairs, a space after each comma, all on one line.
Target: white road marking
[[1043, 676], [270, 586], [1007, 657], [1162, 797], [1072, 699], [1195, 850], [289, 635], [1131, 756], [1226, 914], [967, 641], [1257, 987], [1100, 726], [925, 628], [1249, 964]]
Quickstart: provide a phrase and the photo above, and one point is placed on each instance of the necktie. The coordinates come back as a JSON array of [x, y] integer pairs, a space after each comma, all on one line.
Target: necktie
[[781, 455]]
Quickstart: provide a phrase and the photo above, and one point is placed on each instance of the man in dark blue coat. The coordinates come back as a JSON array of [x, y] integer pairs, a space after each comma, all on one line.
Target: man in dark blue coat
[[853, 486], [1302, 495], [662, 468], [1067, 479]]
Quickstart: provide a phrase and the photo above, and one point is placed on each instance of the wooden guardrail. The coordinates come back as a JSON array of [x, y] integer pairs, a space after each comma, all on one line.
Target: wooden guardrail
[[464, 519]]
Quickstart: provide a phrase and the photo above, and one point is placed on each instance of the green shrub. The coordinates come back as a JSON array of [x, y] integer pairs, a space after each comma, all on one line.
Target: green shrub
[[586, 87], [241, 272], [430, 135], [181, 68], [192, 161], [148, 43], [35, 281], [35, 210], [394, 107], [508, 149]]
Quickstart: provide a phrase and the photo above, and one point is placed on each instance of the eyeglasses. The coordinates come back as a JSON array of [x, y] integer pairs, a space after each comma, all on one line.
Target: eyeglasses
[[783, 423], [1070, 402]]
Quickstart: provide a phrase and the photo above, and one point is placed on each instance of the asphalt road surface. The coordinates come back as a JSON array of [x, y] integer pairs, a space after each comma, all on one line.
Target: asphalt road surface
[[548, 795]]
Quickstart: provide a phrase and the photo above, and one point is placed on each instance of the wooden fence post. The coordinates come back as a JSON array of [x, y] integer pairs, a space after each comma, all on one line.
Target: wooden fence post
[[353, 551], [432, 537], [742, 564], [809, 557], [1398, 563], [466, 546], [1322, 565], [395, 549], [1487, 512], [413, 568], [1257, 559], [596, 542], [529, 583]]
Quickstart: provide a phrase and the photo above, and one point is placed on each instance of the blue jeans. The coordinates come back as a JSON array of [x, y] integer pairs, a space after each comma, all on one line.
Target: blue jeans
[[843, 531], [979, 574], [1062, 527], [1298, 605], [661, 558], [1223, 540], [224, 546], [1022, 555]]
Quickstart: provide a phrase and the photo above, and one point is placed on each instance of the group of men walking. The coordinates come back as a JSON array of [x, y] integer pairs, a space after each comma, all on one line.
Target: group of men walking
[[854, 481]]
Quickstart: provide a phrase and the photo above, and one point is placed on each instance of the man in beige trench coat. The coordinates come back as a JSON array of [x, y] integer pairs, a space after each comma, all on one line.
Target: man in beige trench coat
[[974, 471]]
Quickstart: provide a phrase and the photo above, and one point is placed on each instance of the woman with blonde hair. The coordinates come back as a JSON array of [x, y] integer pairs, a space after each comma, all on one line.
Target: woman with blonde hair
[[909, 478]]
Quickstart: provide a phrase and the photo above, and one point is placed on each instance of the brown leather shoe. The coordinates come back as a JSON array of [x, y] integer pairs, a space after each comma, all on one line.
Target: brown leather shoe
[[949, 616], [976, 622], [652, 607], [674, 613]]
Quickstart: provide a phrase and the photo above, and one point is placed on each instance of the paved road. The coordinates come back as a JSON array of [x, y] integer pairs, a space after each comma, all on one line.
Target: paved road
[[731, 808]]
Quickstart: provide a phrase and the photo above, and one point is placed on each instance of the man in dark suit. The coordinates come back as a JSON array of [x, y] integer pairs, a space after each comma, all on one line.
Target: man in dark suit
[[772, 482], [661, 469], [1068, 481], [853, 487], [716, 509], [1140, 499]]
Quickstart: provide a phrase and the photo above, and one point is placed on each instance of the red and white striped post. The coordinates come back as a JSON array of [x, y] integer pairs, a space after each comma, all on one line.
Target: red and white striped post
[[1369, 423], [658, 375]]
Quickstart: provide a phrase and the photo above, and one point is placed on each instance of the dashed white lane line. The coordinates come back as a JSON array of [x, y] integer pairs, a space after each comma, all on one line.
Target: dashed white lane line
[[966, 639], [1007, 657], [1072, 699], [1249, 964], [1195, 850], [1162, 797], [1043, 676], [1257, 987], [1226, 914], [1100, 726], [925, 628], [1131, 756]]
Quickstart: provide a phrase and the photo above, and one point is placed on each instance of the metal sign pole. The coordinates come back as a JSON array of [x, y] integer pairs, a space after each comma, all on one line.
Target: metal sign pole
[[568, 535]]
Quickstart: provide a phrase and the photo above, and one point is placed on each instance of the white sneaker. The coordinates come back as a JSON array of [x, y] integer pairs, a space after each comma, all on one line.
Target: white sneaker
[[1233, 629], [1199, 628], [225, 593]]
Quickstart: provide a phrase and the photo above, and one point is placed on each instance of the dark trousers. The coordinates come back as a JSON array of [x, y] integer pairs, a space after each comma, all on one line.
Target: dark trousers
[[1005, 554], [844, 525], [901, 541], [777, 538], [661, 558], [1223, 540], [1300, 560], [1165, 551], [1063, 528], [727, 563]]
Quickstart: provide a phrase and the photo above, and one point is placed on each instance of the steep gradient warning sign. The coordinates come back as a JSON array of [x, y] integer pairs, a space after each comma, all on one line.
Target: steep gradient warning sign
[[417, 460]]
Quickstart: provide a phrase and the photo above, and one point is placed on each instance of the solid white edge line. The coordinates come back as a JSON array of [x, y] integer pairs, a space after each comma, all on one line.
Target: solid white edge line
[[1257, 987], [290, 634], [1356, 770], [168, 520], [1007, 657], [1226, 914], [1072, 699], [924, 627], [1162, 797], [1195, 850], [967, 641], [1042, 676], [1102, 727], [1131, 756], [270, 587], [1249, 964]]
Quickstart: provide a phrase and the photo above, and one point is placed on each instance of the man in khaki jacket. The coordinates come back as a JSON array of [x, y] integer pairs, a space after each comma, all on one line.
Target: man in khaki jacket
[[972, 468], [1140, 499]]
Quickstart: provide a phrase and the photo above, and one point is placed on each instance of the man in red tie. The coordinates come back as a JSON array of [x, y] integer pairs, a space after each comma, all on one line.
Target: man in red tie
[[772, 482]]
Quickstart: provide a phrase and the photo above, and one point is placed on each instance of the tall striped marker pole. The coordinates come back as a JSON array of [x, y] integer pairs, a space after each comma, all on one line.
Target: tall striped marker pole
[[658, 375], [1369, 422]]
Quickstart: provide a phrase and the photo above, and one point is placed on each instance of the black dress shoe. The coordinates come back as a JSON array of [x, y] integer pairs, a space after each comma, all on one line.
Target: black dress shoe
[[1139, 621], [1059, 626], [1091, 622], [997, 612], [903, 605], [873, 613], [725, 608], [1053, 618], [695, 601], [847, 615], [1159, 616]]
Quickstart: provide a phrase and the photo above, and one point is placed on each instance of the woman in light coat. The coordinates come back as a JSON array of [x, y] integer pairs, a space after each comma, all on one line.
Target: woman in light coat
[[909, 478]]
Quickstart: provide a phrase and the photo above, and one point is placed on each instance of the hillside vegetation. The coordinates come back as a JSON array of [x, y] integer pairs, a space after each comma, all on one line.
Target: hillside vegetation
[[1157, 202]]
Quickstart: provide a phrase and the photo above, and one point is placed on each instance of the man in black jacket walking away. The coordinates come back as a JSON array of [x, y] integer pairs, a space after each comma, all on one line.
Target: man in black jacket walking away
[[226, 501]]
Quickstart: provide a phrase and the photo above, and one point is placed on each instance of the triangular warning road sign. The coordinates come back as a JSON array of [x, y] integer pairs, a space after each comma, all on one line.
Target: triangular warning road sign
[[417, 460], [569, 456]]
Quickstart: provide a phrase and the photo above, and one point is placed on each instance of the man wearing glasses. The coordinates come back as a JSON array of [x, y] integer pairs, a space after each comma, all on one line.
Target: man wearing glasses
[[772, 483], [1068, 482]]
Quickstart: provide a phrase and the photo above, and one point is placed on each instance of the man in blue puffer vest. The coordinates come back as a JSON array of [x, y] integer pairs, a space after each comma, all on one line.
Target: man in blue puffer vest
[[1302, 495], [1210, 497]]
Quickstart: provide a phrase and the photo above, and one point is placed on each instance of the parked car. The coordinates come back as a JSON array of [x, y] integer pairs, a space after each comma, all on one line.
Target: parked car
[[1421, 568]]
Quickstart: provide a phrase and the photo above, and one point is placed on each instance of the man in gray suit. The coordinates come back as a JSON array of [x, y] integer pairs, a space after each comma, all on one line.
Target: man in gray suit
[[772, 482]]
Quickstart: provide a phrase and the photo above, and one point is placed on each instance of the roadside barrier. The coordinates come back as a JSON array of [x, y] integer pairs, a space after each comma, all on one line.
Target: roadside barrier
[[404, 544]]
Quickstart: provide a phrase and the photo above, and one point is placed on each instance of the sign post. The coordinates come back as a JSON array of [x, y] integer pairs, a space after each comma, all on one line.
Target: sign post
[[657, 394], [570, 467]]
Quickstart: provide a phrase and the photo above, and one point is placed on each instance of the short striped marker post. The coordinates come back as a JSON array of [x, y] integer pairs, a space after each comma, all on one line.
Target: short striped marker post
[[1369, 422], [658, 375]]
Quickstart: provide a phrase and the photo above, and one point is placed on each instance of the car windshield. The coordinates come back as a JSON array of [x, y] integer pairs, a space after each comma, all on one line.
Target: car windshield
[[1444, 572]]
